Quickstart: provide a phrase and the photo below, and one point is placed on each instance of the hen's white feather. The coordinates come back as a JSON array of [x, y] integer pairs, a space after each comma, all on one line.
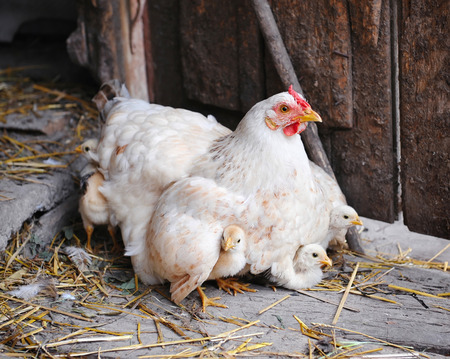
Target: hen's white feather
[[183, 243], [143, 148]]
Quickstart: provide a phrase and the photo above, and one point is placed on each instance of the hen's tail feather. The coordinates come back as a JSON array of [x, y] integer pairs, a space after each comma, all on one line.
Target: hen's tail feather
[[181, 288], [104, 99]]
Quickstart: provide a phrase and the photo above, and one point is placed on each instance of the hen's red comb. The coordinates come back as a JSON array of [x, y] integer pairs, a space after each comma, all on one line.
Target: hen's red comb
[[298, 98]]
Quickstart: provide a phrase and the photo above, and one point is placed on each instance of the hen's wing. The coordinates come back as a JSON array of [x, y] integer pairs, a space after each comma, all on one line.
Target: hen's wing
[[143, 148], [331, 188], [184, 236]]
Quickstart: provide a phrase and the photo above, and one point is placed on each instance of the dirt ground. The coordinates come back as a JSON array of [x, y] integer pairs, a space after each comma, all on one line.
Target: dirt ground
[[101, 313]]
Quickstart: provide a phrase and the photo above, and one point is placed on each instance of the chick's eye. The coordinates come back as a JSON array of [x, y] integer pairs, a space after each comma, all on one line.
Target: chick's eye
[[87, 149], [284, 108], [239, 241], [345, 216], [315, 255]]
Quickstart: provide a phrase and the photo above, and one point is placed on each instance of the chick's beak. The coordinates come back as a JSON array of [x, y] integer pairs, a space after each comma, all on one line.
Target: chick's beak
[[357, 222], [228, 244], [79, 149], [326, 262], [309, 116]]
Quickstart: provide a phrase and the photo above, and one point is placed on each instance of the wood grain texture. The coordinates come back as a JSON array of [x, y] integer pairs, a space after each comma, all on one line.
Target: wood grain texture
[[166, 53], [425, 116], [93, 43], [363, 158], [221, 54], [318, 39]]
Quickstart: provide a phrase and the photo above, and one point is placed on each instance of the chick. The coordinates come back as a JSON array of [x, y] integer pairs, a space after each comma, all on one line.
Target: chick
[[304, 270], [341, 219], [93, 206]]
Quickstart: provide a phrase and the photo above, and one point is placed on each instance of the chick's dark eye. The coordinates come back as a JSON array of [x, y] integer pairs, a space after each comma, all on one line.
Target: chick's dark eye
[[284, 108], [345, 216], [87, 149], [315, 255], [239, 241]]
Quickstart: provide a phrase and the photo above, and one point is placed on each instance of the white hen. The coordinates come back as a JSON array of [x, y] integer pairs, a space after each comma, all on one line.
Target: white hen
[[265, 164], [184, 241], [145, 147]]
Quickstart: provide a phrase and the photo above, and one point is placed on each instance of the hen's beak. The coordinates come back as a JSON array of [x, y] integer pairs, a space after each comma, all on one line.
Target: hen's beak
[[310, 116], [228, 244], [79, 149], [357, 222], [326, 262]]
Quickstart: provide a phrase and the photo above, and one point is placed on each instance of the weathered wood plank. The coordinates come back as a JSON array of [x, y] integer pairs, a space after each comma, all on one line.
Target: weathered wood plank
[[363, 158], [92, 44], [209, 49], [425, 114], [221, 54], [164, 45], [109, 42], [317, 37]]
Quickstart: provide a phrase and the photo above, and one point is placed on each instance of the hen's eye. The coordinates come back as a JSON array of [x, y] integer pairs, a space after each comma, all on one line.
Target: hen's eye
[[345, 216], [315, 255], [284, 108]]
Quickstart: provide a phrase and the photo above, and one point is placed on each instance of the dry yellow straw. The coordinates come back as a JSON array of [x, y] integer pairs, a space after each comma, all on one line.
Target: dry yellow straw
[[371, 337], [175, 342], [82, 340], [344, 297], [325, 300], [439, 253], [273, 304], [412, 291], [46, 308]]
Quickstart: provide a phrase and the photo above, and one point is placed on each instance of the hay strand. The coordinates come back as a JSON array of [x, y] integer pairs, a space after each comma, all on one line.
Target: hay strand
[[344, 297]]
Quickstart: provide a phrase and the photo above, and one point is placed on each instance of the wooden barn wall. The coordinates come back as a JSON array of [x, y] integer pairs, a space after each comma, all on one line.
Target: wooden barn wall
[[425, 115], [210, 56]]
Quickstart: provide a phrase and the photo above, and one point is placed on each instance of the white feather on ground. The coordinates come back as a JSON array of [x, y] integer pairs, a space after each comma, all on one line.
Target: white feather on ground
[[44, 286], [79, 257]]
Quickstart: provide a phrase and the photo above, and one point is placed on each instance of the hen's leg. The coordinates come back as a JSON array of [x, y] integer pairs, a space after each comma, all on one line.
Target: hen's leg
[[89, 231], [206, 302], [116, 246], [232, 284]]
